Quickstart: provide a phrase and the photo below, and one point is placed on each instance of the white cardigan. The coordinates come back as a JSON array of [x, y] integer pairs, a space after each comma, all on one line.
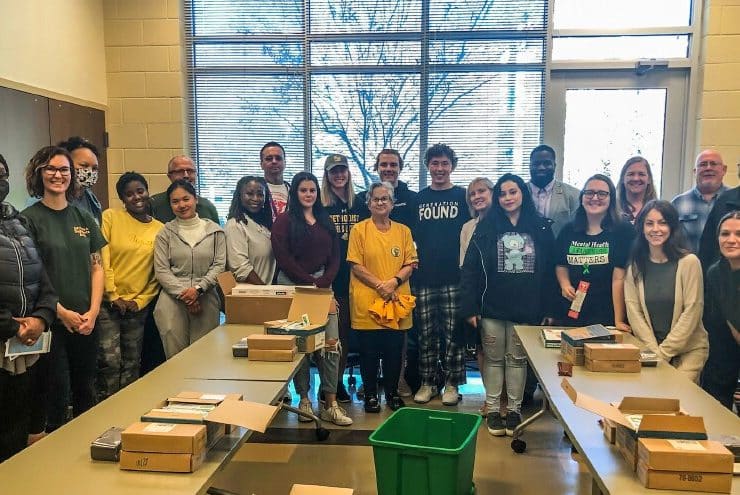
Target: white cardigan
[[687, 330]]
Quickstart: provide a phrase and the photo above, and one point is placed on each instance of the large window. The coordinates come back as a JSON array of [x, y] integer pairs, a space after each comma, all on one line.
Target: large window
[[357, 76]]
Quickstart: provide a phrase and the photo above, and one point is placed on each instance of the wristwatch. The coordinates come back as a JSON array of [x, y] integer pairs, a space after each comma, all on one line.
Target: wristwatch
[[399, 281], [200, 290]]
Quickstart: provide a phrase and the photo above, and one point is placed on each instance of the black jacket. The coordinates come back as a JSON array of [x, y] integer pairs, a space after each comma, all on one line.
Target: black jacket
[[483, 293], [709, 245], [25, 289], [404, 209]]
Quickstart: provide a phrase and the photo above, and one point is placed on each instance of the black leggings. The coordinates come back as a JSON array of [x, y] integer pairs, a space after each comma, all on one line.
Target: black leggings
[[374, 345]]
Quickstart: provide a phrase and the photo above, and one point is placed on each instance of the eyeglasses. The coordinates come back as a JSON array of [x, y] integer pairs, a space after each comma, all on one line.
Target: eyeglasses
[[384, 199], [590, 193], [183, 171], [709, 164], [51, 171]]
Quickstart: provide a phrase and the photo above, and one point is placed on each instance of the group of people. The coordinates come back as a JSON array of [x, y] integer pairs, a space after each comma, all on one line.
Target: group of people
[[416, 276]]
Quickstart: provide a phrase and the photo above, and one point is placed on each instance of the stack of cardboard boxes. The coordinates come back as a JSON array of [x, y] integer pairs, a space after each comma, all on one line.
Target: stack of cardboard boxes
[[263, 347], [170, 447], [573, 340]]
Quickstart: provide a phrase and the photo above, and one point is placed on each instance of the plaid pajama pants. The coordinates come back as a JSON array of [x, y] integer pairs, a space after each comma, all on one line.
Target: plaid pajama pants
[[436, 318]]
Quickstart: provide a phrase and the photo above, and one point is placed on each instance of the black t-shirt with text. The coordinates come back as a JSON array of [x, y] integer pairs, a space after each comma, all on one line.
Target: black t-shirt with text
[[344, 219]]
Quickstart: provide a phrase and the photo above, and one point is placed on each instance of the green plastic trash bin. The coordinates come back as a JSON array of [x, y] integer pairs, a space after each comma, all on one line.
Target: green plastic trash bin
[[422, 451]]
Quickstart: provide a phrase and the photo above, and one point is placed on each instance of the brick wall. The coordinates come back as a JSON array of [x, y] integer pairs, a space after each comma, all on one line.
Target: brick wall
[[145, 88], [718, 116]]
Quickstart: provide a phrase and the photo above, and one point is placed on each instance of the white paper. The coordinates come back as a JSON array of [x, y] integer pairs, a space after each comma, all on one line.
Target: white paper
[[213, 397], [159, 427], [692, 445]]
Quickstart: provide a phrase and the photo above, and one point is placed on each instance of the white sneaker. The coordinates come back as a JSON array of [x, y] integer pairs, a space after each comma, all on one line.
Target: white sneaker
[[425, 394], [305, 406], [336, 415], [403, 388], [450, 397]]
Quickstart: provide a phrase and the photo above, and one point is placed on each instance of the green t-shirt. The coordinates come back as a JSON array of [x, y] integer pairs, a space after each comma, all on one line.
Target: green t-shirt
[[66, 238], [162, 211]]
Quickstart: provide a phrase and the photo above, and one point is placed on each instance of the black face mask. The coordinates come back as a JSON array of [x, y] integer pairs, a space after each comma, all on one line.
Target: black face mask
[[4, 189]]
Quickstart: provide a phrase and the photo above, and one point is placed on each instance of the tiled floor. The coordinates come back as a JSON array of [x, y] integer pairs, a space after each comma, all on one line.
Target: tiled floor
[[271, 468]]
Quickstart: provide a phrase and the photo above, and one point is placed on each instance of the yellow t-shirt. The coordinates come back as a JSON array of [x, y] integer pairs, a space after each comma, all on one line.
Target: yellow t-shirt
[[383, 254]]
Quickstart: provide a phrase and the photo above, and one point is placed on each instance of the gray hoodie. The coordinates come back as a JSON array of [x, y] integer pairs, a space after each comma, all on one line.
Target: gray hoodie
[[178, 266]]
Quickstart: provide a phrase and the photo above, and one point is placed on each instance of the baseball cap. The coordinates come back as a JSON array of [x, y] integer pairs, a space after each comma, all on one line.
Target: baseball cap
[[335, 160]]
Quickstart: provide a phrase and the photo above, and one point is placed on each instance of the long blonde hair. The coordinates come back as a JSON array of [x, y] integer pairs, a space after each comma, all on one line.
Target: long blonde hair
[[329, 197]]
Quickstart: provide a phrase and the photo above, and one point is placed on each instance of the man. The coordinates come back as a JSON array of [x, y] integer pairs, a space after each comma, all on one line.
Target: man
[[389, 165], [695, 204], [272, 161], [442, 211], [552, 198], [709, 245], [181, 167]]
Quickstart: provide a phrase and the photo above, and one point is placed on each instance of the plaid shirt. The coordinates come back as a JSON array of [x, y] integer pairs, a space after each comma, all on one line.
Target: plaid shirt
[[693, 211]]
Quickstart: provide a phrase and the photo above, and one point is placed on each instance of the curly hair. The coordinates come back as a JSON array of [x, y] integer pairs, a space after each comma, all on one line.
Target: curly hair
[[240, 214], [438, 150], [33, 172], [77, 142]]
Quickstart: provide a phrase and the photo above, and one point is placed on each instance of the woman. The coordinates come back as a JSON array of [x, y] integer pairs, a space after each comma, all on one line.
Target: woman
[[510, 254], [635, 187], [130, 284], [306, 247], [664, 291], [591, 256], [70, 242], [85, 159], [27, 308], [248, 246], [722, 314], [189, 253], [338, 198], [382, 256]]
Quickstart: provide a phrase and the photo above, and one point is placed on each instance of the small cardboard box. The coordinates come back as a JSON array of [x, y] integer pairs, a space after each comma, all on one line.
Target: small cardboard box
[[251, 310], [610, 430], [170, 438], [319, 490], [270, 342], [214, 431], [703, 456], [684, 480], [315, 304], [157, 461], [613, 366], [571, 354], [272, 354], [611, 352]]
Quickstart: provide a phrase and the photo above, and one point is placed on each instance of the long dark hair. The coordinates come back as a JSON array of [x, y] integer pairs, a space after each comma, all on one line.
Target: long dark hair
[[624, 204], [237, 210], [610, 220], [298, 225], [728, 298], [675, 246], [528, 215]]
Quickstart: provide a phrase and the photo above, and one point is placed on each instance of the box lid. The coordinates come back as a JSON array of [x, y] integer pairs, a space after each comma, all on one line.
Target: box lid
[[231, 409], [226, 281], [189, 397], [313, 302]]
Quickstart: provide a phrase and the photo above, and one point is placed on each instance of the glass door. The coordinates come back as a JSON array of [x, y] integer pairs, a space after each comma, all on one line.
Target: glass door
[[596, 120]]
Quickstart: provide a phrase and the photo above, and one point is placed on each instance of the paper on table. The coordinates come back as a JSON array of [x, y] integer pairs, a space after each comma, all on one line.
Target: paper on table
[[14, 347], [251, 415]]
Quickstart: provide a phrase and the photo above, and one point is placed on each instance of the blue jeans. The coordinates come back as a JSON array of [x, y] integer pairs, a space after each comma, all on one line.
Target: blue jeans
[[504, 357]]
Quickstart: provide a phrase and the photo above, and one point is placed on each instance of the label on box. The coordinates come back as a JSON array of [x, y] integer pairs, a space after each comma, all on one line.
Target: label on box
[[687, 445], [159, 428], [213, 397]]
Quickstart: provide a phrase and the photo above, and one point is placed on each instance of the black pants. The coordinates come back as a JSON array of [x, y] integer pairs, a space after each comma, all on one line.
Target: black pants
[[15, 411], [374, 345], [72, 368], [152, 350], [720, 381]]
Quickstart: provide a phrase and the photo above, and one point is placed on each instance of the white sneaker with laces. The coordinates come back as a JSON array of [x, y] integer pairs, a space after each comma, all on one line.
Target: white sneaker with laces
[[305, 406], [336, 415], [450, 397], [425, 394]]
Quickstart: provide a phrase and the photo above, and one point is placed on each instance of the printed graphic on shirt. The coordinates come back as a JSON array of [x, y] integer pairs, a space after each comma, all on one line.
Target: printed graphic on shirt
[[81, 231], [344, 222], [441, 210], [515, 253], [395, 251], [279, 193], [586, 254]]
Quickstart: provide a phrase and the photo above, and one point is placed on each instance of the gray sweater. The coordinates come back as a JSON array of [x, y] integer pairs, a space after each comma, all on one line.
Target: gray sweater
[[178, 266]]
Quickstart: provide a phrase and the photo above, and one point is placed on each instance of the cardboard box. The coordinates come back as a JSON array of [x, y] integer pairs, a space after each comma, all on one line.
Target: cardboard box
[[703, 456], [577, 337], [319, 490], [251, 310], [272, 354], [163, 414], [684, 480], [571, 354], [271, 342], [611, 352], [312, 305], [613, 366], [263, 290], [610, 430], [157, 461], [170, 438]]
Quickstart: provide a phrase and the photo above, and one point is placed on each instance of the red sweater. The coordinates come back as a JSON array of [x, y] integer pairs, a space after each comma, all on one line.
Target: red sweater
[[318, 249]]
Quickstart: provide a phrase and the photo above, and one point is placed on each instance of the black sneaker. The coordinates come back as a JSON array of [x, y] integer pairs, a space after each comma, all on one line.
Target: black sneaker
[[495, 424], [342, 395], [513, 420], [372, 405]]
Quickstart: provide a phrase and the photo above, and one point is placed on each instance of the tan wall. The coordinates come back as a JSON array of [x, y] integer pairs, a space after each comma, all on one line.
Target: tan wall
[[145, 88], [718, 118], [54, 48]]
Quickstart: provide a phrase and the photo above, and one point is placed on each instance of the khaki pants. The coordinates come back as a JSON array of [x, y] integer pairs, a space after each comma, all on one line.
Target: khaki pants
[[691, 363], [178, 328]]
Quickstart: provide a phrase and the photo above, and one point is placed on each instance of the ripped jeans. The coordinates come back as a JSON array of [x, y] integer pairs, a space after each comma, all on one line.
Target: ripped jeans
[[504, 357], [327, 359]]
